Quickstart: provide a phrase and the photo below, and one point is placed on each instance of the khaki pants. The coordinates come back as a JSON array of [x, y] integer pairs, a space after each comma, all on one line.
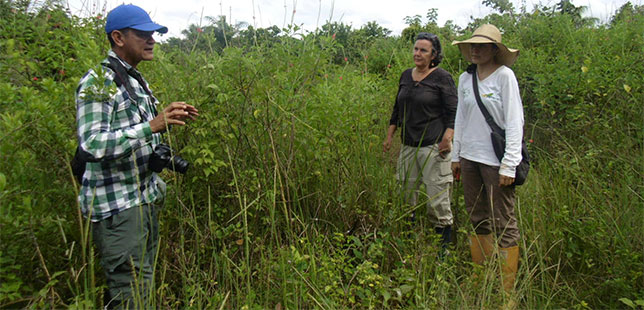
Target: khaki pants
[[491, 207], [423, 166], [127, 243]]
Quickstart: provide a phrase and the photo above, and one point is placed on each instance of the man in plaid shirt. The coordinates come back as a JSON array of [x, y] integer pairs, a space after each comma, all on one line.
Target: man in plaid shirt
[[117, 134]]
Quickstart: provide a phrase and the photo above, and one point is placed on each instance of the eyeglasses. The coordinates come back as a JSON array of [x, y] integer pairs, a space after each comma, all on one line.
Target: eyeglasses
[[145, 35], [425, 36]]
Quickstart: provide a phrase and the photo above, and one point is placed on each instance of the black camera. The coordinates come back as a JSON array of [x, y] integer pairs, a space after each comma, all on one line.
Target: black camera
[[162, 158]]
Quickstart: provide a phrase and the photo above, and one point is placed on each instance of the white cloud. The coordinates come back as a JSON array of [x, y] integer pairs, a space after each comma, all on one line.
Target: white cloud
[[178, 15]]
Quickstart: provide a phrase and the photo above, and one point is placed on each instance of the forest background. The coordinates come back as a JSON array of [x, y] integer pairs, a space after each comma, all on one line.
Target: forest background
[[290, 202]]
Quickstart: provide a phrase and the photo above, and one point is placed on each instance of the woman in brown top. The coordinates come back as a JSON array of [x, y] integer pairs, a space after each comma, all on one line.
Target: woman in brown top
[[425, 108]]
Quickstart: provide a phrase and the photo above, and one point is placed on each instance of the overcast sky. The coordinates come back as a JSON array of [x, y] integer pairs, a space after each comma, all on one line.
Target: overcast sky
[[178, 15]]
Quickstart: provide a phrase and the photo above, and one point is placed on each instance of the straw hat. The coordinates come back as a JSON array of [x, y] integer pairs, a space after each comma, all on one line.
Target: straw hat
[[488, 34]]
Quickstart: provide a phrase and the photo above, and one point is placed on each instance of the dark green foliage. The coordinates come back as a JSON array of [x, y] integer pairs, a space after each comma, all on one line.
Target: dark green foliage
[[627, 14]]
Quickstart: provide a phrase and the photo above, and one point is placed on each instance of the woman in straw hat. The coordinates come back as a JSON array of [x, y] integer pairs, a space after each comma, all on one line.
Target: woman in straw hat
[[487, 182], [425, 108]]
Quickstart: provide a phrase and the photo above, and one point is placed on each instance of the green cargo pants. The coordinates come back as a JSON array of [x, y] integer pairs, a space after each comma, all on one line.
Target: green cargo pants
[[127, 244]]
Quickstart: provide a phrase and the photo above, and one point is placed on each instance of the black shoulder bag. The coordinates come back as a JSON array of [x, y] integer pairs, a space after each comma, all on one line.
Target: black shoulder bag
[[498, 135]]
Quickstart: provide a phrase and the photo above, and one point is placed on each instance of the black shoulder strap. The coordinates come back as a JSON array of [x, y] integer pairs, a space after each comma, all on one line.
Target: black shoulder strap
[[121, 78], [488, 118]]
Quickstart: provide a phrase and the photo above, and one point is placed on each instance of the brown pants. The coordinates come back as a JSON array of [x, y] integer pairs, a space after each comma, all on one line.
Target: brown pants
[[491, 207]]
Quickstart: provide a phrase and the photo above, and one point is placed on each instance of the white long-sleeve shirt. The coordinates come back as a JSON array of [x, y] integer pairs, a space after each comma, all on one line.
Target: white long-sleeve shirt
[[500, 95]]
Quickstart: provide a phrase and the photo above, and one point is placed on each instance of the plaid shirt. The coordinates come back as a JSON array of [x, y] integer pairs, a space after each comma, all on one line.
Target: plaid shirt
[[114, 131]]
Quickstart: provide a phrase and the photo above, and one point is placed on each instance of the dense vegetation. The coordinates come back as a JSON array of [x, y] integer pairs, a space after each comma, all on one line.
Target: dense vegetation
[[290, 202]]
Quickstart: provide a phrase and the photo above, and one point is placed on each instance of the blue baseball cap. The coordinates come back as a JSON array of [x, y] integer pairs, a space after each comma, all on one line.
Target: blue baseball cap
[[131, 16]]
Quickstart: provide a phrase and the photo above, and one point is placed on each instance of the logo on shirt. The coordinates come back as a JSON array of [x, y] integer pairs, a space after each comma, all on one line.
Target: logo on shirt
[[466, 92], [490, 95]]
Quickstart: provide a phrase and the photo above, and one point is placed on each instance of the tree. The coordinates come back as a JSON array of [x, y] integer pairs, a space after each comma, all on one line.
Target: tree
[[627, 12], [373, 30], [502, 6], [432, 16], [415, 25], [339, 31], [565, 7], [413, 20], [213, 37], [251, 36]]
